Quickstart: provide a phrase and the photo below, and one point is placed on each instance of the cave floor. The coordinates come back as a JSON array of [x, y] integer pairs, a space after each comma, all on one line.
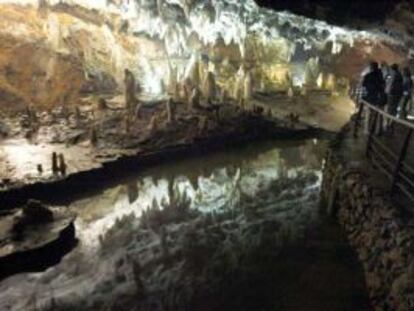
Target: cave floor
[[327, 274]]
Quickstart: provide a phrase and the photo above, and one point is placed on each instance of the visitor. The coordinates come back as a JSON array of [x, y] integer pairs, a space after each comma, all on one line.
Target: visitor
[[394, 91], [407, 93], [385, 70], [386, 74], [372, 91], [373, 85]]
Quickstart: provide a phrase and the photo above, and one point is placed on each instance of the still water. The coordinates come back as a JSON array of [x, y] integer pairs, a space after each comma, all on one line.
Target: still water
[[233, 230]]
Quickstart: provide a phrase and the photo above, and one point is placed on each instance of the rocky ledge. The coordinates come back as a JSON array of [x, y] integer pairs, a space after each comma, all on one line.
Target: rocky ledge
[[34, 237], [101, 156], [378, 230]]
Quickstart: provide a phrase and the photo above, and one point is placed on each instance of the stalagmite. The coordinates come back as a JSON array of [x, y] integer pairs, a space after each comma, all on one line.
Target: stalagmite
[[187, 89], [288, 79], [290, 92], [331, 82], [172, 80], [248, 87], [55, 168], [242, 104], [129, 81], [209, 88], [62, 164], [93, 136], [262, 85], [127, 124], [164, 243], [170, 110], [202, 124], [312, 71], [223, 96], [102, 104], [176, 94], [321, 81], [194, 102], [193, 73], [78, 116], [136, 271], [239, 84], [153, 126], [40, 169], [138, 109]]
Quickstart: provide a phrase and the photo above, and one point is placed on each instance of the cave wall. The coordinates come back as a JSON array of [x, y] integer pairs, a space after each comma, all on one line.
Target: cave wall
[[376, 227], [53, 52]]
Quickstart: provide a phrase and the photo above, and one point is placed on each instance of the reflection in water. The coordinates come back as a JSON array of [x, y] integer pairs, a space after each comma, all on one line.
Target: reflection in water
[[150, 232]]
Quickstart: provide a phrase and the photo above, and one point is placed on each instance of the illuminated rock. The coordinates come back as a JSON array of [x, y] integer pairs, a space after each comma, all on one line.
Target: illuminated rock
[[67, 46]]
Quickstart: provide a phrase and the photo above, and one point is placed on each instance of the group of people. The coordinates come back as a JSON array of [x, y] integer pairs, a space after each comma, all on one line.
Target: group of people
[[386, 87]]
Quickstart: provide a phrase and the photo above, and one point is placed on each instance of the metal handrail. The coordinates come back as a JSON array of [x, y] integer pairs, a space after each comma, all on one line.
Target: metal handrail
[[388, 116], [397, 162]]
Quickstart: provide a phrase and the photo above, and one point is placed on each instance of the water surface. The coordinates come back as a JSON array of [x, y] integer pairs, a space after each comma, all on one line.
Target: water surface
[[233, 230]]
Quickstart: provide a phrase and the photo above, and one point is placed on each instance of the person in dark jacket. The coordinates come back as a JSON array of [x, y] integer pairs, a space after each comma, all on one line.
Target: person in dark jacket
[[373, 85], [373, 92], [407, 92], [394, 90]]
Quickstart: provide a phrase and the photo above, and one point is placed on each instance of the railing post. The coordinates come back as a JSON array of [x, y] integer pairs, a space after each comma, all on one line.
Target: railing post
[[401, 157], [372, 125]]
